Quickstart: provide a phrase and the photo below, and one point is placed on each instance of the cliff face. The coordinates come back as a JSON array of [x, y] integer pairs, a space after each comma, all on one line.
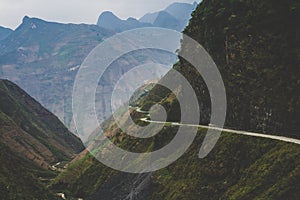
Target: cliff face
[[254, 46]]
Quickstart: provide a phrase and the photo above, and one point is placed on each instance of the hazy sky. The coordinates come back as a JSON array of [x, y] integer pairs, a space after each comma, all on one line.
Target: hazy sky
[[75, 11]]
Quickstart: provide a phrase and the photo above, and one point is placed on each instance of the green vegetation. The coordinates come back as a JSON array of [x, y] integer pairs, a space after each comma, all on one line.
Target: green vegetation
[[31, 140], [254, 45], [21, 179]]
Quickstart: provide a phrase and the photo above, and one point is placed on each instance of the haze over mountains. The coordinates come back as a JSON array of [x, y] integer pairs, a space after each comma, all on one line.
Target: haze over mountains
[[262, 91], [44, 57], [255, 46], [110, 21], [175, 16]]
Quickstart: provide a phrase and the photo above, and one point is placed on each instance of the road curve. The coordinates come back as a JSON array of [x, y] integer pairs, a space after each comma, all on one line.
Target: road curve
[[252, 134]]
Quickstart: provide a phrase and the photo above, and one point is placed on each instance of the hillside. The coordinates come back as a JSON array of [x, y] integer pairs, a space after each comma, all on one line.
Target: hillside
[[31, 130], [255, 50], [32, 140], [43, 58]]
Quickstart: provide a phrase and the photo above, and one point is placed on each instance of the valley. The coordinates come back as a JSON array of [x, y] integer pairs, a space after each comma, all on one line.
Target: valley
[[255, 155]]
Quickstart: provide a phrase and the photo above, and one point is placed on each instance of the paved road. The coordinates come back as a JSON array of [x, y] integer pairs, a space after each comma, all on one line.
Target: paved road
[[252, 134]]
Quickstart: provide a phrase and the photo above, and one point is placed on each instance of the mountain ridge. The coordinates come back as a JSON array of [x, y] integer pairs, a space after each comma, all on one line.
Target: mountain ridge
[[110, 21], [175, 17], [43, 58], [23, 110], [32, 141], [239, 167], [179, 11]]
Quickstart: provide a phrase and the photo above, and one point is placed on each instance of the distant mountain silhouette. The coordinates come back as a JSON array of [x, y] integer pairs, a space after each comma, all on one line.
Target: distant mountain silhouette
[[181, 12], [110, 21], [165, 20], [175, 16], [43, 57]]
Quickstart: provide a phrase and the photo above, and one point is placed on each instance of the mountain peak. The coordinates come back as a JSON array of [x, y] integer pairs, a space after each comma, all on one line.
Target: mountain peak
[[131, 19], [110, 21], [174, 16], [25, 19], [108, 15]]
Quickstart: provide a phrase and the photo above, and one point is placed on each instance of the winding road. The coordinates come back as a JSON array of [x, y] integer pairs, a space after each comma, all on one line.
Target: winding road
[[239, 132]]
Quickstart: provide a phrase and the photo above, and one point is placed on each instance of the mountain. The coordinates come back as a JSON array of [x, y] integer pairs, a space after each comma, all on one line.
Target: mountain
[[4, 32], [109, 21], [32, 141], [43, 58], [256, 53], [182, 12], [149, 18], [166, 20], [175, 16]]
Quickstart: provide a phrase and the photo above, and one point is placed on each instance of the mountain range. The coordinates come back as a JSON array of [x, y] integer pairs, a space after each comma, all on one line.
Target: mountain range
[[44, 57], [255, 47], [258, 82], [110, 21], [175, 16]]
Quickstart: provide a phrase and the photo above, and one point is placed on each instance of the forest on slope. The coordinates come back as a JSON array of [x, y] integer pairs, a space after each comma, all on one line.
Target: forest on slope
[[31, 141], [254, 44]]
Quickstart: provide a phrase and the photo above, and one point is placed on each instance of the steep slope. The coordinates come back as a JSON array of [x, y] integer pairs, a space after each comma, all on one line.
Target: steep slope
[[256, 51], [175, 16], [182, 12], [254, 46], [31, 130], [166, 20], [4, 32], [21, 179], [43, 58], [32, 139]]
